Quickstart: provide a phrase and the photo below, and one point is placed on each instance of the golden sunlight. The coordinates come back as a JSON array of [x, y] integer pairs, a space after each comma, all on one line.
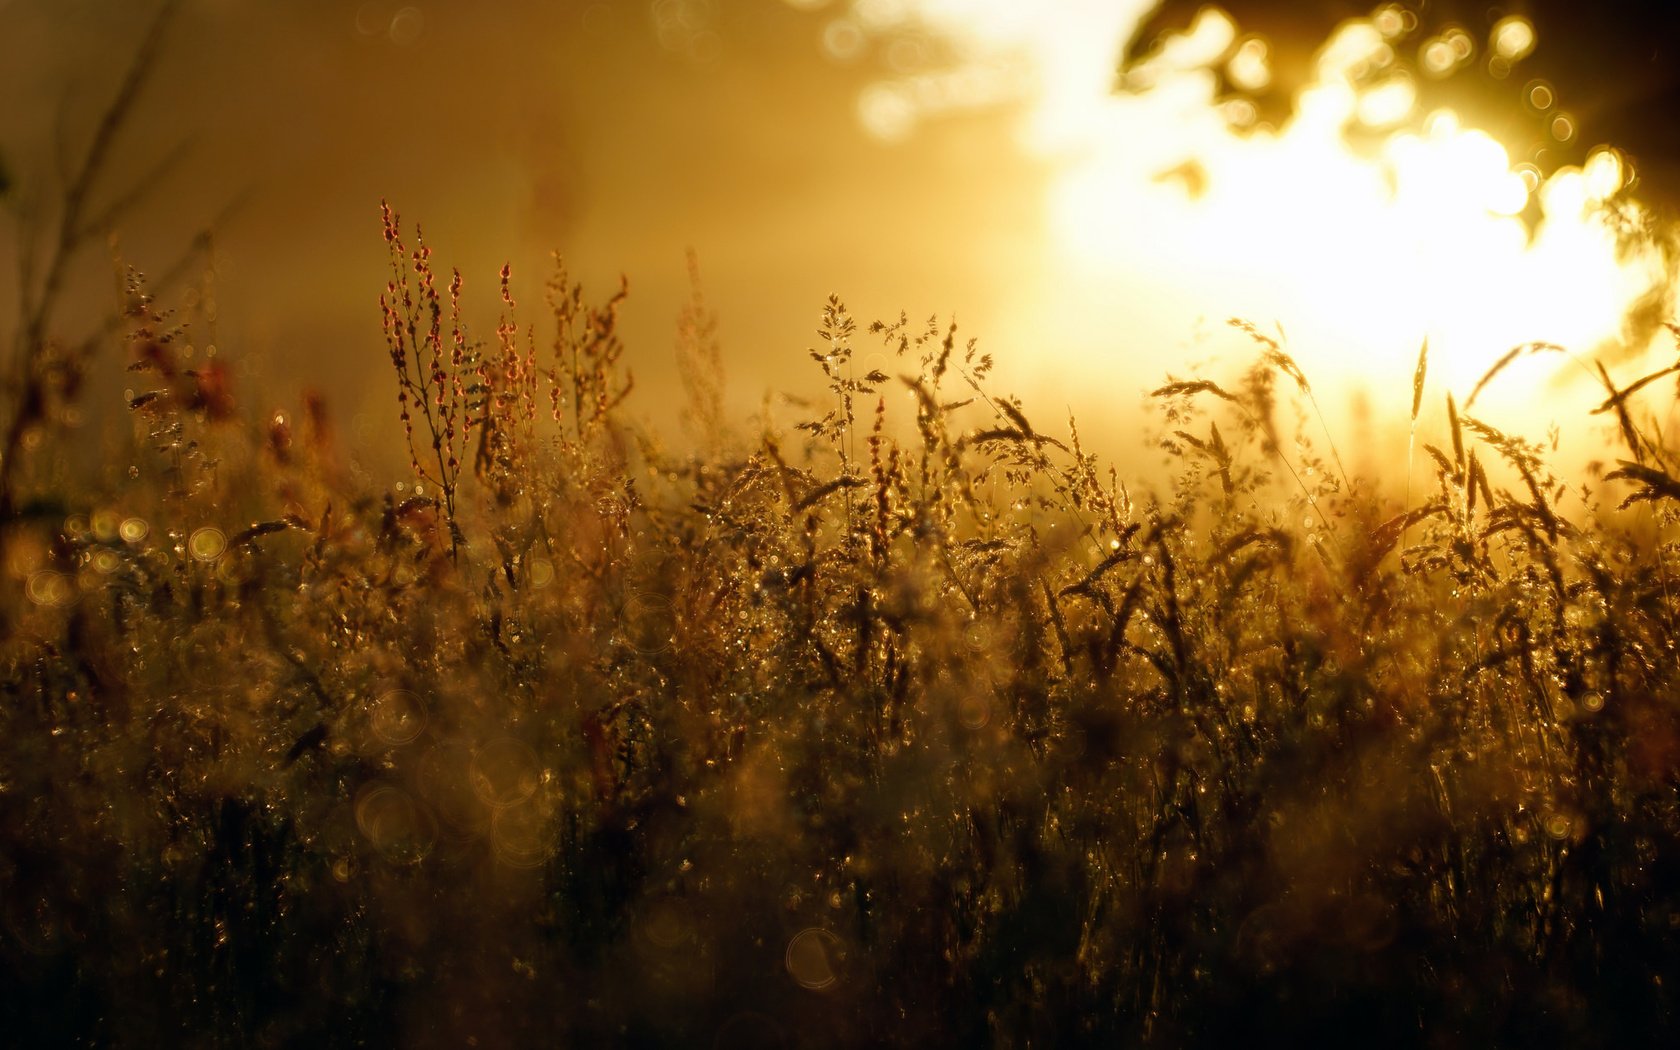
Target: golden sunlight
[[482, 565], [1360, 253], [1362, 256]]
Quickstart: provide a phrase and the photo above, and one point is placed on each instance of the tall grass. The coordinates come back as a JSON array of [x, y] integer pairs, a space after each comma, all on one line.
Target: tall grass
[[911, 723]]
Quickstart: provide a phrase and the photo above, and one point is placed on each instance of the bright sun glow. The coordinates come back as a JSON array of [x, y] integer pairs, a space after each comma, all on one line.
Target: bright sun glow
[[1421, 239], [1360, 256]]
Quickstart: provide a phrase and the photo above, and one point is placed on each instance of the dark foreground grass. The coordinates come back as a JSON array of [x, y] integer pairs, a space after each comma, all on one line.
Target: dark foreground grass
[[908, 725]]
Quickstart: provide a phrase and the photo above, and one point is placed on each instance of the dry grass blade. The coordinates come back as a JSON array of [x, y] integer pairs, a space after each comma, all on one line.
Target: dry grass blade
[[1509, 356], [1442, 463], [1657, 484], [1253, 332], [1277, 537], [1016, 416], [1616, 397], [1056, 620], [1618, 401], [1221, 457], [1478, 482], [784, 473], [1386, 535], [1122, 619], [1287, 365], [1273, 352], [260, 529], [1197, 386], [980, 437], [1084, 584], [1457, 434], [1418, 378], [1542, 506], [823, 491], [1507, 445]]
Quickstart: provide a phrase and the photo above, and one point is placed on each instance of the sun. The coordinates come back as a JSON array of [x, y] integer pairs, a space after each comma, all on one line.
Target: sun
[[1362, 253], [1362, 224]]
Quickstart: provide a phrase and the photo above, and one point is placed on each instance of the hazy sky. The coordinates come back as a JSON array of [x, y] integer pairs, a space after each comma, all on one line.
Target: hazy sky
[[511, 130], [950, 156]]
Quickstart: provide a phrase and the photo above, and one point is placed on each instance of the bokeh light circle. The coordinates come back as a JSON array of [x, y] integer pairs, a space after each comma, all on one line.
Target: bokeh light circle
[[397, 717], [504, 772], [207, 544], [814, 958]]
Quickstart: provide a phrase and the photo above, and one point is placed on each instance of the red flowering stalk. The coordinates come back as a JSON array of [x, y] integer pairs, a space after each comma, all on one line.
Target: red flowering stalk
[[432, 383], [587, 350], [508, 405]]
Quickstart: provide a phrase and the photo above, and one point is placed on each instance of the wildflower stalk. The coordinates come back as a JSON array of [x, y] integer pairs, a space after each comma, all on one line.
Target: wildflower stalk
[[430, 379]]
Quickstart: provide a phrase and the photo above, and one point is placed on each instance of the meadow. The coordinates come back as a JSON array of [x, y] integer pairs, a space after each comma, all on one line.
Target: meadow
[[912, 723]]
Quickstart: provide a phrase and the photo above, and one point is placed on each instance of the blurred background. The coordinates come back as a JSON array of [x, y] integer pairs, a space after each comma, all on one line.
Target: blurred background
[[1092, 202]]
